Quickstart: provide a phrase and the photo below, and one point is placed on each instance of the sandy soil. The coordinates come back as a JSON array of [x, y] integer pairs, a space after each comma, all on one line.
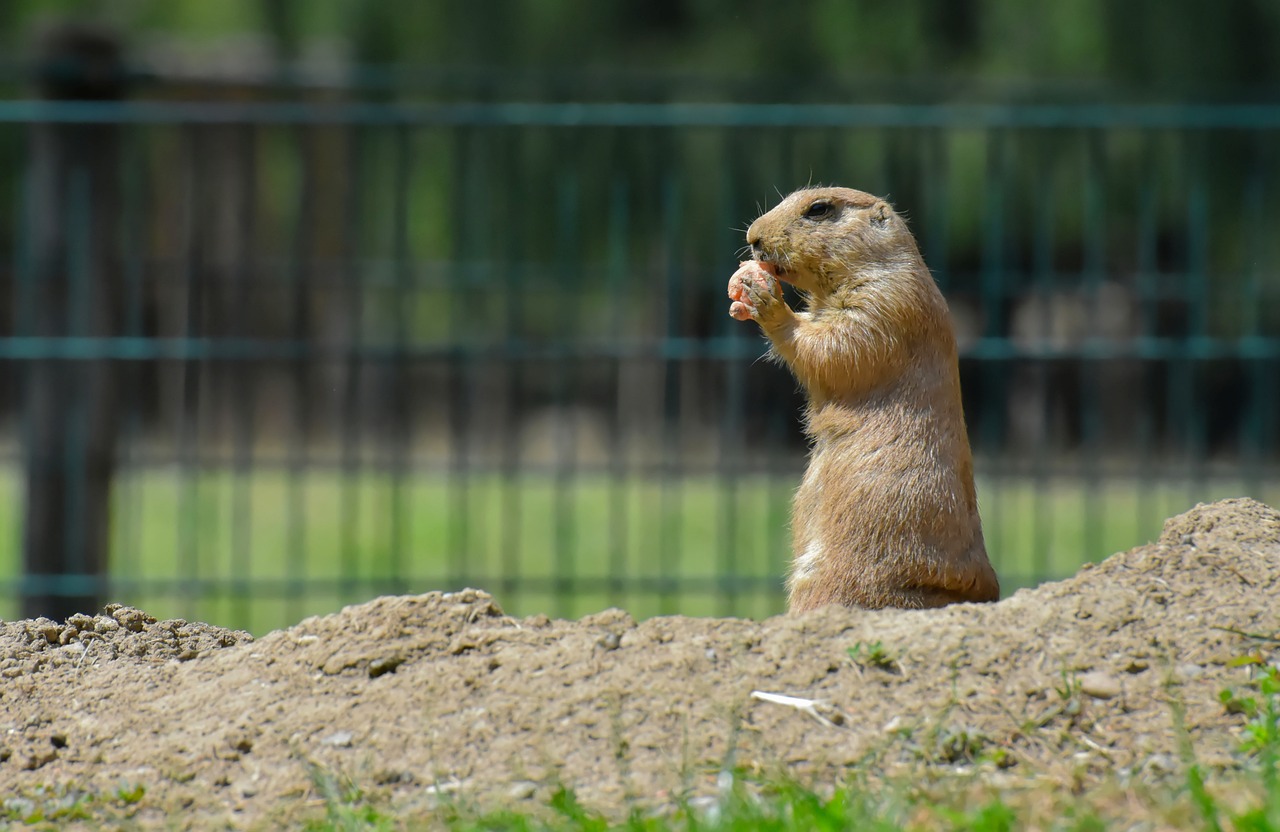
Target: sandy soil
[[441, 696]]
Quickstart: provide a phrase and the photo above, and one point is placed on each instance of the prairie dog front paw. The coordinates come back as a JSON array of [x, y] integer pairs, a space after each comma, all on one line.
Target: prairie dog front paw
[[756, 295]]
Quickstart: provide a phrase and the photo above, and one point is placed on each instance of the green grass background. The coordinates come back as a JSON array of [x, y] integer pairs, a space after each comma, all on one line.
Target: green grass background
[[261, 550]]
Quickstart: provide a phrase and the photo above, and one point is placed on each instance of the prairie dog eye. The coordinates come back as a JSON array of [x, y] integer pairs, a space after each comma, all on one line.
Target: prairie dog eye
[[819, 210]]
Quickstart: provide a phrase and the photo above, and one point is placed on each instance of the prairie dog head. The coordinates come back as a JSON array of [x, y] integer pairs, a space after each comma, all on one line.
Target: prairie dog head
[[818, 238]]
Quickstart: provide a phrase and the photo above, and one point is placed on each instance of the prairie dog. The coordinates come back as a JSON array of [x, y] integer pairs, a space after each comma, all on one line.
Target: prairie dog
[[886, 514]]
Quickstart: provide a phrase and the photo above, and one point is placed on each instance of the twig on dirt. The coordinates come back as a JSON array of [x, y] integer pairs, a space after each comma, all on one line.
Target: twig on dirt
[[1041, 658], [824, 712], [1084, 740], [1246, 634], [1049, 715], [83, 654], [1238, 574], [448, 785]]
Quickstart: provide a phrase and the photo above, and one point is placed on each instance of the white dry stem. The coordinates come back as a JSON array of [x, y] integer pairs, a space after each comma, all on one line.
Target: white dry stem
[[824, 712]]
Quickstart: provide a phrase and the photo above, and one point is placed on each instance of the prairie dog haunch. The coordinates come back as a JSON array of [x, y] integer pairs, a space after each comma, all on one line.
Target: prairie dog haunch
[[887, 514]]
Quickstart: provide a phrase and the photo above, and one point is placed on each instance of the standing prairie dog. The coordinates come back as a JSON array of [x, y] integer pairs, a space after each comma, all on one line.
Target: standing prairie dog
[[887, 514]]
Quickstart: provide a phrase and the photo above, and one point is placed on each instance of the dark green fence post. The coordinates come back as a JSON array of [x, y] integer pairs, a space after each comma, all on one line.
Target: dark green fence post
[[72, 293]]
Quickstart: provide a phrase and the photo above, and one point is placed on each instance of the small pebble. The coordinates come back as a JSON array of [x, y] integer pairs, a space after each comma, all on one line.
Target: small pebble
[[522, 790], [1160, 764], [1187, 672], [390, 777], [340, 739], [1100, 685], [384, 665]]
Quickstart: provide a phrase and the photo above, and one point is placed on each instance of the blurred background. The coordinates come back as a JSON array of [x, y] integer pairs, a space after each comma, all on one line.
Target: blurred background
[[306, 301]]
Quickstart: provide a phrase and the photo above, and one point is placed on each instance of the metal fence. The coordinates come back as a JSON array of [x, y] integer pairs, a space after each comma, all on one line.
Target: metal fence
[[284, 356]]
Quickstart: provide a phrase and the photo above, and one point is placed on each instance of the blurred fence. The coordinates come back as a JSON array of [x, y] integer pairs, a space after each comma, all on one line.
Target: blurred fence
[[313, 352]]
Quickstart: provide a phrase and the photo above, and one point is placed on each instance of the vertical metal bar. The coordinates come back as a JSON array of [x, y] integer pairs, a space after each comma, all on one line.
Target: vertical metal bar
[[24, 301], [1148, 288], [569, 280], [299, 288], [619, 222], [187, 429], [24, 271], [511, 503], [69, 410], [733, 403], [27, 268], [1197, 293], [671, 518], [134, 207], [243, 479], [402, 431], [1261, 415], [992, 284], [1046, 213], [1094, 228], [461, 364], [992, 287], [1173, 294], [80, 298], [126, 555], [354, 291], [938, 230]]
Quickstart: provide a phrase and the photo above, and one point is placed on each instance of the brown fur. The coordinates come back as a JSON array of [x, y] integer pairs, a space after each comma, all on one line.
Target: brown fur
[[887, 514]]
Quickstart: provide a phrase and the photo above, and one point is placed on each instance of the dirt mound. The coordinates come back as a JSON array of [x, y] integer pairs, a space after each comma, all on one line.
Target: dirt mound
[[416, 697]]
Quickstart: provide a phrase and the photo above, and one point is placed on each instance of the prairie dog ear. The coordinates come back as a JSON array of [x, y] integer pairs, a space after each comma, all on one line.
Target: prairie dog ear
[[880, 214]]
